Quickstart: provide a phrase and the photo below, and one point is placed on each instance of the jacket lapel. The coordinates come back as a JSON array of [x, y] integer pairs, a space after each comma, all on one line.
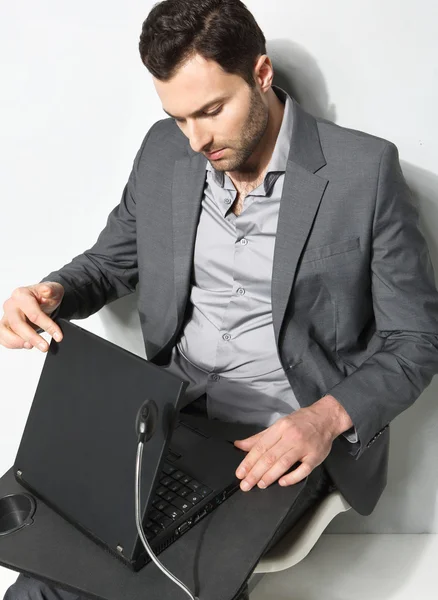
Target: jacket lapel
[[187, 190], [301, 197]]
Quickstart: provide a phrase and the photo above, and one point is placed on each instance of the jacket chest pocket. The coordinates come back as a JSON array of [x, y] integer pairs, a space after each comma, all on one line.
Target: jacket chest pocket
[[332, 251], [339, 266]]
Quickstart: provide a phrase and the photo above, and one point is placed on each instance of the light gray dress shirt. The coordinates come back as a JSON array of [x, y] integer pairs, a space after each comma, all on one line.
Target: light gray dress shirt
[[227, 347]]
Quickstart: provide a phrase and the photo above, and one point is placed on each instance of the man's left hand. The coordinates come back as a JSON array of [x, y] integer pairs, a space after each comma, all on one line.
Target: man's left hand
[[305, 436]]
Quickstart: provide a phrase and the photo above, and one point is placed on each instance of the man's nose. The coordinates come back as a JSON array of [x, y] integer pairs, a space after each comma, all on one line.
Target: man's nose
[[199, 138]]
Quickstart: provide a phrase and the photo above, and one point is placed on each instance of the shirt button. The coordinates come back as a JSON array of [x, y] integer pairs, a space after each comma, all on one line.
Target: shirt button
[[215, 377], [243, 241], [226, 337], [227, 201], [240, 291]]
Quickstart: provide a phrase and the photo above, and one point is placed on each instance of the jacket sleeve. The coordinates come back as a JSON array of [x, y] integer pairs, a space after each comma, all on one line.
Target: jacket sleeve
[[405, 304], [108, 270]]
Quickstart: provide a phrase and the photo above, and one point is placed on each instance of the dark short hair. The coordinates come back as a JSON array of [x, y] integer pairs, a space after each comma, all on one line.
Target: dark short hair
[[221, 30]]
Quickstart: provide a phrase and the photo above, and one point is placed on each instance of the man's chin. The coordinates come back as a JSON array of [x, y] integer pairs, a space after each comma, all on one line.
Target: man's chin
[[220, 164], [225, 164]]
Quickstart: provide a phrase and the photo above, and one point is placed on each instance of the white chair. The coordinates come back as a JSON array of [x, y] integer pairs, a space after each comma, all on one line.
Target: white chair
[[299, 541]]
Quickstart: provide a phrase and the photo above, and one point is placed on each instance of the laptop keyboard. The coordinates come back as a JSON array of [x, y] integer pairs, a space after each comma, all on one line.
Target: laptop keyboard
[[175, 495]]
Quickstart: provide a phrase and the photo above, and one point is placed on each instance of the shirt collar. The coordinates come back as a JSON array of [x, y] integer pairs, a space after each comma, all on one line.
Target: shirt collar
[[279, 157]]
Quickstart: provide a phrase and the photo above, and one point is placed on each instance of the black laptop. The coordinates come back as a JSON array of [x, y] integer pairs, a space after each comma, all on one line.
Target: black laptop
[[79, 445]]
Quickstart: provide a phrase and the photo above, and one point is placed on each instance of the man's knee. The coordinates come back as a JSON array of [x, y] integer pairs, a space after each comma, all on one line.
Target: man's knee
[[28, 588]]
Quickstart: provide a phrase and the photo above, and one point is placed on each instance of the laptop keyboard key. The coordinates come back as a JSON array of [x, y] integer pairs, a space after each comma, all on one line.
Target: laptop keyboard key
[[166, 481], [168, 469], [149, 524], [156, 528], [161, 490], [164, 521], [174, 487], [173, 512], [169, 496], [172, 456], [160, 504], [194, 485], [195, 498], [184, 491], [182, 504], [204, 491], [178, 474], [153, 515], [185, 480]]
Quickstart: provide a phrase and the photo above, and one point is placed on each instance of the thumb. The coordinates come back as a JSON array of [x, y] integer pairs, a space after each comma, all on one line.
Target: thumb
[[49, 295]]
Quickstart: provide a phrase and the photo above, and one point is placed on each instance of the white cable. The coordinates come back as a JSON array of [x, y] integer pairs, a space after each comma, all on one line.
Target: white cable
[[139, 524]]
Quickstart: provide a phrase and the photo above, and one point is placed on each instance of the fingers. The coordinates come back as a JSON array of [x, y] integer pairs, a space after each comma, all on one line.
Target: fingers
[[296, 439], [272, 465], [297, 474], [273, 452], [26, 332], [249, 442], [25, 311], [11, 340], [262, 456], [30, 306]]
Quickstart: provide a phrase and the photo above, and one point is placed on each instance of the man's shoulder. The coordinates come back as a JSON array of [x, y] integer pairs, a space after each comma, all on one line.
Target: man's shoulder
[[165, 126], [164, 139], [350, 143]]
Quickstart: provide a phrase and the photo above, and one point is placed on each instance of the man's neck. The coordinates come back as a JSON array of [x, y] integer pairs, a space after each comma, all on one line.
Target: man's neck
[[259, 160]]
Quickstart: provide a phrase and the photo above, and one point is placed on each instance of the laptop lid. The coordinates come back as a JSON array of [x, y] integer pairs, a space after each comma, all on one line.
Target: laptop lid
[[79, 445]]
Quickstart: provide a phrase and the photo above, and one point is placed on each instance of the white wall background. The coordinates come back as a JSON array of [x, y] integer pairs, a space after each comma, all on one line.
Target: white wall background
[[76, 102]]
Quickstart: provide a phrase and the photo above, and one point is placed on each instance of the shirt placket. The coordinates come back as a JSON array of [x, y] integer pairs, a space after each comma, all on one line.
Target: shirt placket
[[226, 345]]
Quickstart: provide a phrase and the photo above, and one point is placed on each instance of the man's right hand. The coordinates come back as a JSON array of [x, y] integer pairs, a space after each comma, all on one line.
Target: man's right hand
[[27, 310]]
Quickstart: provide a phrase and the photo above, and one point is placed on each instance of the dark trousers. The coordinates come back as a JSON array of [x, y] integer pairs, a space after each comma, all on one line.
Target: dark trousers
[[318, 485]]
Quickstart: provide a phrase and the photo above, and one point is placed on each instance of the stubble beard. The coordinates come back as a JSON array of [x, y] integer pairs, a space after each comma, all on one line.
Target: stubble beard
[[252, 132]]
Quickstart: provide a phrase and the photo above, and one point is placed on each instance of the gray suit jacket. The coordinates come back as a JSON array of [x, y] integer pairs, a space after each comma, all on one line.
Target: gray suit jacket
[[354, 303]]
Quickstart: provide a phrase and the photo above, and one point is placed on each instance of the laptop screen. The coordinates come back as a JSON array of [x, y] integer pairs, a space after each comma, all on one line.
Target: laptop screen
[[79, 445]]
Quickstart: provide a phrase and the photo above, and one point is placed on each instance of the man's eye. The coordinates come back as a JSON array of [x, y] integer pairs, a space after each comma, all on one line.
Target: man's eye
[[216, 112], [212, 114]]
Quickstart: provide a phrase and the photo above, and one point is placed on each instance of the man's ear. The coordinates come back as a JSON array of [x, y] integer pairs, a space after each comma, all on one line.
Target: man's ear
[[264, 72]]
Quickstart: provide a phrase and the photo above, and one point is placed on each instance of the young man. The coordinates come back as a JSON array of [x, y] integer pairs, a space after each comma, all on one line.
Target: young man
[[280, 267]]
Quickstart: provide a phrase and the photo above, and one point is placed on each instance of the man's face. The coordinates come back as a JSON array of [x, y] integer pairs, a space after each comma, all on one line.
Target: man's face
[[216, 111]]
